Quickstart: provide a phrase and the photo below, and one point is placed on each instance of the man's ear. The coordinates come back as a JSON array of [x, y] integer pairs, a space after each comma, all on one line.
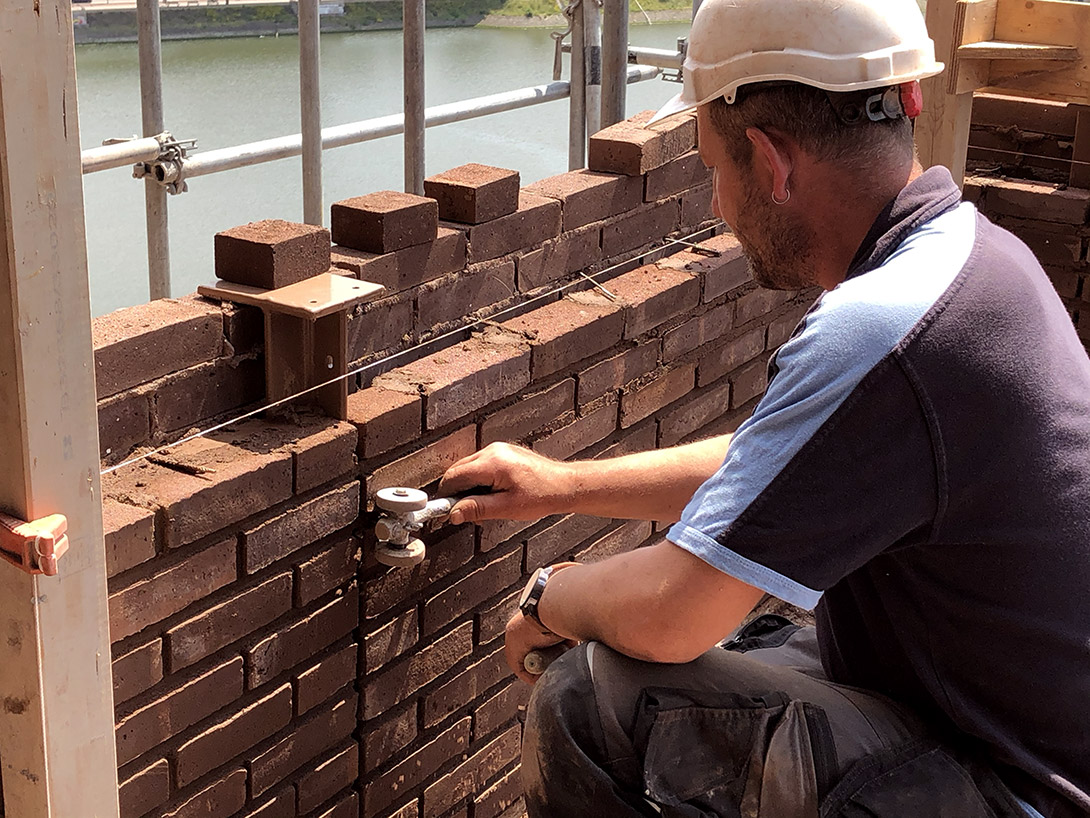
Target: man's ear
[[772, 157]]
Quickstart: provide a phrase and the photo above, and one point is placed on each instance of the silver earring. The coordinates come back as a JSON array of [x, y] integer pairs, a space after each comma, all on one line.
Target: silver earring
[[786, 198]]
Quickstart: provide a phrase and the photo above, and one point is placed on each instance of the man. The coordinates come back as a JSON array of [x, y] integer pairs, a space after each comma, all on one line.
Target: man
[[918, 470]]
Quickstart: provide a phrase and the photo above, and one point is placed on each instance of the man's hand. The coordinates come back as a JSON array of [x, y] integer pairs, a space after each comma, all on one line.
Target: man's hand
[[524, 635], [522, 485]]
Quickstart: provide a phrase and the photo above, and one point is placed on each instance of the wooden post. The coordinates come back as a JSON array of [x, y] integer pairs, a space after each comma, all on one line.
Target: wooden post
[[56, 697], [942, 130]]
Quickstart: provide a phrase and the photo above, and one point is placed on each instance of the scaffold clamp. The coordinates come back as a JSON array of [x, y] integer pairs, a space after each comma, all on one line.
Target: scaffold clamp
[[34, 547], [168, 167]]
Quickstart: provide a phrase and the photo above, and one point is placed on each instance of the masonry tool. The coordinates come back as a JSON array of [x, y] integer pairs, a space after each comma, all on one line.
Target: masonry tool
[[405, 511]]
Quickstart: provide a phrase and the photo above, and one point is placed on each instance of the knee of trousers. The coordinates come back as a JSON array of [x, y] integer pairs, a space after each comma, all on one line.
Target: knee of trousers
[[562, 700]]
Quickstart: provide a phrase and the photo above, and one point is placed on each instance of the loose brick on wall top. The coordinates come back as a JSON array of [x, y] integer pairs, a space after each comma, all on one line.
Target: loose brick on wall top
[[474, 193], [271, 253], [630, 148], [139, 344], [384, 222]]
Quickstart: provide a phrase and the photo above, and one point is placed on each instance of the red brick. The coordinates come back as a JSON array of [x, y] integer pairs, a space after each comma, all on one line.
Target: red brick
[[720, 274], [613, 373], [139, 344], [748, 382], [136, 671], [227, 622], [545, 547], [231, 483], [167, 716], [291, 644], [501, 795], [536, 220], [391, 640], [696, 208], [384, 222], [171, 590], [124, 421], [595, 425], [465, 687], [236, 734], [457, 296], [1036, 200], [219, 800], [206, 391], [781, 327], [468, 376], [497, 532], [278, 536], [678, 176], [644, 400], [386, 789], [554, 259], [730, 355], [305, 742], [492, 621], [409, 267], [317, 683], [130, 535], [330, 568], [399, 681], [467, 593], [472, 774], [694, 414], [412, 810], [243, 326], [529, 414], [586, 196], [385, 418], [758, 304], [629, 148], [445, 554], [385, 737], [281, 805], [697, 332], [347, 807], [333, 774], [569, 330], [145, 790], [379, 326], [500, 710], [654, 296], [323, 453], [474, 193], [647, 225], [271, 253], [625, 538]]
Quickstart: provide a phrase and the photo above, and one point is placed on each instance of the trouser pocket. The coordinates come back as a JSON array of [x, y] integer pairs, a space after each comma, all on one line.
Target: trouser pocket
[[711, 755]]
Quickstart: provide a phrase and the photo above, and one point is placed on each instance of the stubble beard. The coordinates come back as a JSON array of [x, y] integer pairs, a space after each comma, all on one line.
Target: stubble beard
[[779, 248]]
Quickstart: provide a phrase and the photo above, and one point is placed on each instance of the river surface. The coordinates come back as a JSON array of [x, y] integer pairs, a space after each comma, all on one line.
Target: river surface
[[232, 91]]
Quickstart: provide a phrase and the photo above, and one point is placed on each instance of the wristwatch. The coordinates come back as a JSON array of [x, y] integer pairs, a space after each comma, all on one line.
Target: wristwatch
[[531, 595]]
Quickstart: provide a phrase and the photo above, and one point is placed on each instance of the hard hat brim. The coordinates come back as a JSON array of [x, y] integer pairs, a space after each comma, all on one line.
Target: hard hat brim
[[676, 105]]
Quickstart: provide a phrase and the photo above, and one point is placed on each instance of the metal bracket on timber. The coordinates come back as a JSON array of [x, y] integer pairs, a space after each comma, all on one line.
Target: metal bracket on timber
[[306, 335], [36, 546], [1013, 47]]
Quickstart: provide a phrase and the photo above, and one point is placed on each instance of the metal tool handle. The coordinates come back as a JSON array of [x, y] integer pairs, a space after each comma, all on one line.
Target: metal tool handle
[[537, 661]]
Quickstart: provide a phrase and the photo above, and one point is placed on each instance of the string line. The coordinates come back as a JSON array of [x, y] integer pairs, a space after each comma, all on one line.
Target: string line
[[460, 331]]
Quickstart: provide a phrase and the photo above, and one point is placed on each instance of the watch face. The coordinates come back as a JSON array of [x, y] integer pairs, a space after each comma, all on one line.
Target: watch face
[[529, 589]]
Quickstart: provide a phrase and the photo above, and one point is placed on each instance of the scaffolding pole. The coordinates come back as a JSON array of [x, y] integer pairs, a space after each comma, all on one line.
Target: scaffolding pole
[[310, 103], [150, 45], [592, 38], [57, 718], [415, 118], [577, 106], [614, 61]]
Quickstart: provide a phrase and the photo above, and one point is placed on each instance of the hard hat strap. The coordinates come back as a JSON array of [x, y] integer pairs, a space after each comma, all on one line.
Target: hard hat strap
[[877, 104]]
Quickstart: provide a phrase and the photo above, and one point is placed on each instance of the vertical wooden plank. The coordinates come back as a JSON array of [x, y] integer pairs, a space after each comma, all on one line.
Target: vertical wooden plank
[[942, 130], [56, 698]]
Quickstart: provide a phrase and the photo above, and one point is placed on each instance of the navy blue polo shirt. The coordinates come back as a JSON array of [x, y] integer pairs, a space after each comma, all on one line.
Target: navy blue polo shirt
[[919, 470]]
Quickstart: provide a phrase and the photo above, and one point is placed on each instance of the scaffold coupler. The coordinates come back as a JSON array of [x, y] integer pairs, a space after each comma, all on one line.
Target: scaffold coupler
[[34, 547]]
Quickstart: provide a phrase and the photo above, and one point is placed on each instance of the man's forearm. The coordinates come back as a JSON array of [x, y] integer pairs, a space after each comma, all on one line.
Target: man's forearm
[[653, 485]]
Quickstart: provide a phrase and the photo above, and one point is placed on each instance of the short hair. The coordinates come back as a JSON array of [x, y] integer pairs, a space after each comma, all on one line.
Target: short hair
[[806, 115]]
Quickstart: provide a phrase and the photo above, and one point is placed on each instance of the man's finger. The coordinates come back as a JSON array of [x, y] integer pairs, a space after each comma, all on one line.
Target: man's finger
[[478, 507], [462, 476]]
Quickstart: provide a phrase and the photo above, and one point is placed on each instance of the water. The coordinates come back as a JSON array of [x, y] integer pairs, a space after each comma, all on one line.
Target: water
[[227, 92]]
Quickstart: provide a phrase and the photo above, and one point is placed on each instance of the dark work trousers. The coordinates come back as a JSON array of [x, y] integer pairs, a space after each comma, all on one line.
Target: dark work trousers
[[758, 733]]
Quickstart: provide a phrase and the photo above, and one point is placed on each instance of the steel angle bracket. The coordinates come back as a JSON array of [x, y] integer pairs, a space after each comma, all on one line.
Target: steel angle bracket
[[34, 547], [168, 169]]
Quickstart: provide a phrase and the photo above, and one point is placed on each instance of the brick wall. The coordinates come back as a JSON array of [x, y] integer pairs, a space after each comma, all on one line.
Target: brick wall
[[264, 664], [1020, 176]]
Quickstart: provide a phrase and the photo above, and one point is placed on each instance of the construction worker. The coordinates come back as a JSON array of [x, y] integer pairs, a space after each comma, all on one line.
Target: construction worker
[[918, 471]]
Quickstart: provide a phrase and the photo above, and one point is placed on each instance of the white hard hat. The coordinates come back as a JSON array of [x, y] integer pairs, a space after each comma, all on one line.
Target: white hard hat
[[837, 45]]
